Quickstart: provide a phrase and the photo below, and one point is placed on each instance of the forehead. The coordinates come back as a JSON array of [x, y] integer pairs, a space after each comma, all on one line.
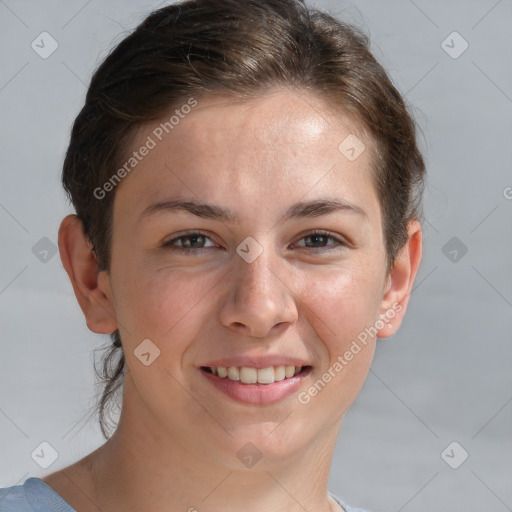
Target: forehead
[[279, 121], [282, 145], [283, 116]]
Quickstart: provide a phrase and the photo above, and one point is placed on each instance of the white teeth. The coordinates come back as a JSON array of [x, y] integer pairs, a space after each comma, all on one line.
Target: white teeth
[[233, 373], [249, 375], [289, 371], [266, 375], [279, 373]]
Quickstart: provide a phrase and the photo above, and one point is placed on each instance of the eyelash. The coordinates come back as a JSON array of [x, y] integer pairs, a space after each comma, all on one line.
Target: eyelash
[[170, 243]]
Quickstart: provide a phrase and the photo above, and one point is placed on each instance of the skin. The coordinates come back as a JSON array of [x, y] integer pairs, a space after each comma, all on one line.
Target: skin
[[177, 441]]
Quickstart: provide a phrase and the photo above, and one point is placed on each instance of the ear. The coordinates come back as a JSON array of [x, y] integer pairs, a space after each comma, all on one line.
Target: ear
[[399, 282], [91, 287]]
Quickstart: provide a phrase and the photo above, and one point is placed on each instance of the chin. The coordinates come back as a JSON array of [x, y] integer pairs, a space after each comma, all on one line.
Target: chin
[[264, 445]]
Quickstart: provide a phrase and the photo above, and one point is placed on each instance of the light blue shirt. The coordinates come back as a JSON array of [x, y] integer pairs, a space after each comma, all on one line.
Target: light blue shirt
[[36, 496]]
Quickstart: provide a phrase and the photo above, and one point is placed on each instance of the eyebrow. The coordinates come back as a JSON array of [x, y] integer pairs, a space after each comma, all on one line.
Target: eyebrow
[[303, 209]]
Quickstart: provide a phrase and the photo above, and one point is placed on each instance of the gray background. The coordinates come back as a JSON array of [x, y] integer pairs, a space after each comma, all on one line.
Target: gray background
[[445, 376]]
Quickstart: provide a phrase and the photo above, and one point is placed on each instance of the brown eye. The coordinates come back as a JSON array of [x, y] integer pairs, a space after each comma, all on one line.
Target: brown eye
[[188, 242]]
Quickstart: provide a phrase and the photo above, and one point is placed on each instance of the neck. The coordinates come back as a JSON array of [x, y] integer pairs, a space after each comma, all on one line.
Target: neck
[[144, 467]]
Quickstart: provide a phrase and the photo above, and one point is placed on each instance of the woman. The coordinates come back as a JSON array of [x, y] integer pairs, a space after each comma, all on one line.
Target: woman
[[247, 188]]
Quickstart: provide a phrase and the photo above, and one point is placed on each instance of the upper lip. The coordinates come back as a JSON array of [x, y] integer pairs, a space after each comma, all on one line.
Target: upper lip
[[257, 362]]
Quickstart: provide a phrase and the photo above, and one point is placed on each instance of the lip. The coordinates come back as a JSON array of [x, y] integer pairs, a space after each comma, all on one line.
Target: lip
[[257, 362], [256, 394]]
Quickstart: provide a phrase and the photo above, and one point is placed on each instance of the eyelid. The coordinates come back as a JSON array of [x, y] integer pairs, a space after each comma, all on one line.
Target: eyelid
[[340, 240], [185, 234]]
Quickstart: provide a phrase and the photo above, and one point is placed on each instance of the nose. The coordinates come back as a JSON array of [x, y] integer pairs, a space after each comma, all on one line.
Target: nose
[[259, 299]]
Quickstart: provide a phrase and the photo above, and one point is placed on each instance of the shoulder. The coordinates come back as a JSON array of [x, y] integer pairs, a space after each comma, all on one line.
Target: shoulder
[[32, 496], [14, 498]]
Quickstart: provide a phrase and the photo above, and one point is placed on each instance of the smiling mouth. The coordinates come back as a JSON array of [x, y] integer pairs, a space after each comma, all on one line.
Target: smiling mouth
[[249, 375]]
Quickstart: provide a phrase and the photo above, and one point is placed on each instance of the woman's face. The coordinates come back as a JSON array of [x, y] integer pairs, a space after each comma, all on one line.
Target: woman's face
[[253, 286]]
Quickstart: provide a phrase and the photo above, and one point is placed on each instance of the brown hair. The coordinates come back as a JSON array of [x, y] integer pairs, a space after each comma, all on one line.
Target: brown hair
[[197, 48]]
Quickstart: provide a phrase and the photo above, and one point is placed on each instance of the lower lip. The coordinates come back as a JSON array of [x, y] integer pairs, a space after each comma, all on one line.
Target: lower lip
[[258, 394]]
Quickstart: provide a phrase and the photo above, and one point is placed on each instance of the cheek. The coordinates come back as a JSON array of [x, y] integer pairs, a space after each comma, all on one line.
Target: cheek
[[163, 304], [341, 309], [341, 304]]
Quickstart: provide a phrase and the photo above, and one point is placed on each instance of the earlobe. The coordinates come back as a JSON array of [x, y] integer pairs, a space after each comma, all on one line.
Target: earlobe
[[400, 281], [90, 286]]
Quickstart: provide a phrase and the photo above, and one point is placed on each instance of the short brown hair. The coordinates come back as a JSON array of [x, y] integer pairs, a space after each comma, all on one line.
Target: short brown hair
[[240, 49]]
